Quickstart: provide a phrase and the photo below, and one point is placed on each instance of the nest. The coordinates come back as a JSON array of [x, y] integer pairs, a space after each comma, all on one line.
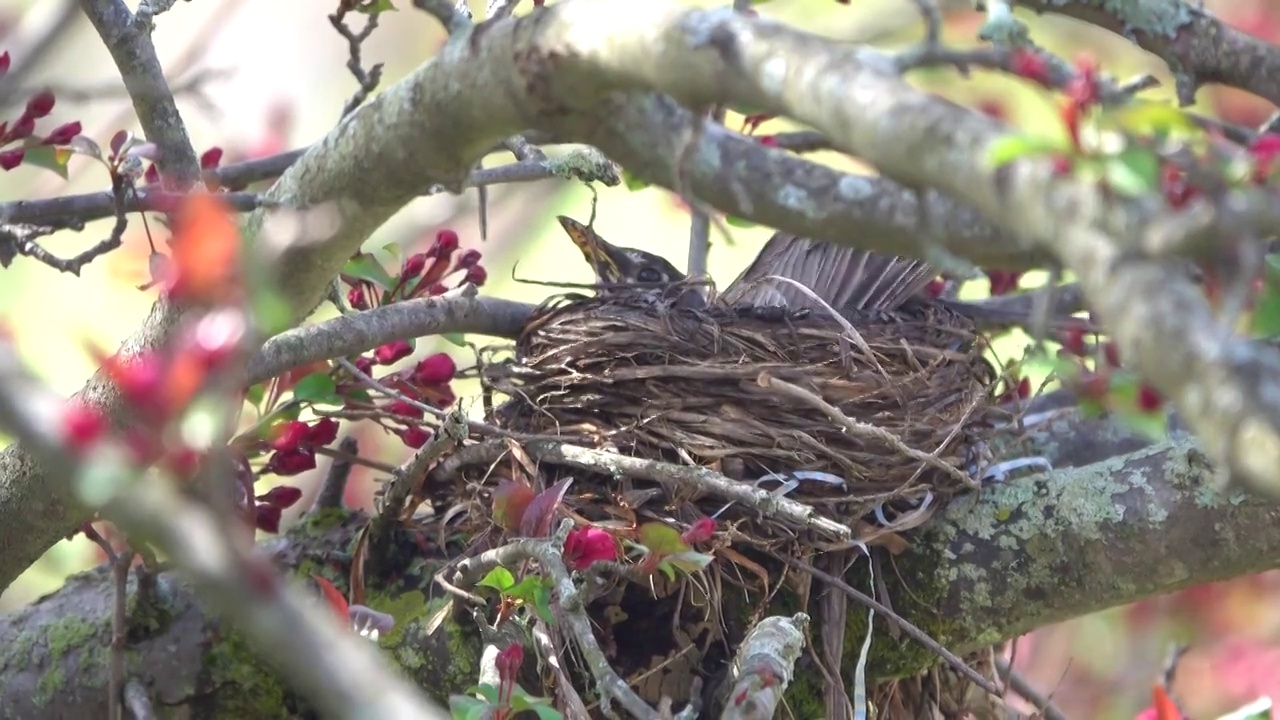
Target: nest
[[888, 416]]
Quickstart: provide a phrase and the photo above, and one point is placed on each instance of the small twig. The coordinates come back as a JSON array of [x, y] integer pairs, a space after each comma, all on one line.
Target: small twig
[[701, 479], [334, 487], [115, 685], [409, 476], [1024, 688], [866, 430], [368, 80], [351, 458], [764, 666], [911, 630]]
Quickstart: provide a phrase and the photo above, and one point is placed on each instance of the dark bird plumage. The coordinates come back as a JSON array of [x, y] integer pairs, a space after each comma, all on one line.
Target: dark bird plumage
[[846, 278]]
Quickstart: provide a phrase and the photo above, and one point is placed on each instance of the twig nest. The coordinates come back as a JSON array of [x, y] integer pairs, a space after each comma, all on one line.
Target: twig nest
[[884, 417]]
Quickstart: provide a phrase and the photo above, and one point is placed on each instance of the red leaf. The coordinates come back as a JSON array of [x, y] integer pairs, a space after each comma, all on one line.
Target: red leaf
[[510, 500], [206, 251], [542, 510], [334, 598]]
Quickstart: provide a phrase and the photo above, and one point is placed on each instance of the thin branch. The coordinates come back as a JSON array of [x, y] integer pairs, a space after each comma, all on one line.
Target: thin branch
[[1023, 687], [702, 479], [368, 80], [334, 487], [764, 666], [135, 58]]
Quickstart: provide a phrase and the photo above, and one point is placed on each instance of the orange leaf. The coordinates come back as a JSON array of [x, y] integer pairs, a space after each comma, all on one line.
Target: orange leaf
[[206, 251], [1165, 708], [333, 597]]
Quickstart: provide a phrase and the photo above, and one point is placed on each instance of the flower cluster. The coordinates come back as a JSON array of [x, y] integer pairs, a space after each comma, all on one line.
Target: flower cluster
[[22, 130]]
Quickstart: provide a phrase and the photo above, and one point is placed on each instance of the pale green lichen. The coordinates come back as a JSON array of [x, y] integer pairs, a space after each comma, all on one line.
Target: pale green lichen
[[1157, 18]]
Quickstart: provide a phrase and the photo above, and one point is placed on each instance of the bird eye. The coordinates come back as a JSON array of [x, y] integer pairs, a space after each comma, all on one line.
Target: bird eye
[[649, 275]]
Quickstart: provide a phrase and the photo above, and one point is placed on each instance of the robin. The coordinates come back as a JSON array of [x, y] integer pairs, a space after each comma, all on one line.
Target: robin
[[850, 280], [846, 278]]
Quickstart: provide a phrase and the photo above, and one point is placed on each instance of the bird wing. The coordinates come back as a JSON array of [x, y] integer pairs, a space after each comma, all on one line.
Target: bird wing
[[844, 277]]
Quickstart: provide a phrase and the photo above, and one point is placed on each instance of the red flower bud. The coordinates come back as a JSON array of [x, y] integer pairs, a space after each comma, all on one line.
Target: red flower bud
[[1003, 282], [585, 545], [413, 266], [469, 258], [267, 518], [1149, 399], [210, 159], [4, 62], [323, 432], [152, 175], [436, 369], [1073, 340], [40, 104], [10, 159], [282, 496], [508, 663], [1112, 354], [62, 134], [700, 531], [290, 462], [364, 364], [288, 436], [476, 275], [446, 242], [82, 426], [768, 140], [356, 298], [22, 129], [415, 437], [437, 289], [392, 352], [1030, 64], [403, 409]]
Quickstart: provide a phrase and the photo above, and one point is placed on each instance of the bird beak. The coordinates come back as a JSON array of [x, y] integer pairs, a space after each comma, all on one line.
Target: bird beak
[[598, 252]]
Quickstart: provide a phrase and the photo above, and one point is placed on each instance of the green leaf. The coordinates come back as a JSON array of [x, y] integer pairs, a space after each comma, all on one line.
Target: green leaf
[[315, 388], [526, 589], [465, 707], [374, 7], [256, 394], [542, 604], [632, 182], [367, 267], [1134, 171], [690, 561], [49, 158], [1265, 321], [499, 579], [1150, 118], [486, 691], [458, 339], [1007, 148], [735, 221], [661, 539]]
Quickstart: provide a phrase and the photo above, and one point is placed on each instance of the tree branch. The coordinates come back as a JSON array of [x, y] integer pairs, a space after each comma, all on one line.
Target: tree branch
[[1198, 47]]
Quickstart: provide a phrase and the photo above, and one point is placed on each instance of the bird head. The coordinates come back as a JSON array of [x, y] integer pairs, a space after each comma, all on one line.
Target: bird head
[[614, 265]]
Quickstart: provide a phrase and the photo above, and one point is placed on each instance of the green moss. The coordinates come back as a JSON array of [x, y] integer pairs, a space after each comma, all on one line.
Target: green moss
[[68, 634], [258, 692], [49, 685], [321, 521]]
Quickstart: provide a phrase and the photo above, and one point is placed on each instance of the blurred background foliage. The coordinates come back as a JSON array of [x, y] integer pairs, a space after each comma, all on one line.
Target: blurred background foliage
[[258, 78]]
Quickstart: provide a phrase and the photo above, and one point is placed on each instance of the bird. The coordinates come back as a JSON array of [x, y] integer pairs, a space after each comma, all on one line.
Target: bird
[[844, 278], [851, 281]]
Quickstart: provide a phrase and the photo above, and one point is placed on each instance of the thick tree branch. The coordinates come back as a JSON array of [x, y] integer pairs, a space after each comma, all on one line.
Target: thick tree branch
[[1198, 47], [985, 568], [542, 71]]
